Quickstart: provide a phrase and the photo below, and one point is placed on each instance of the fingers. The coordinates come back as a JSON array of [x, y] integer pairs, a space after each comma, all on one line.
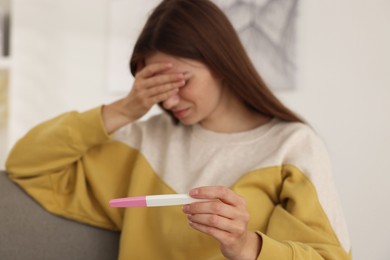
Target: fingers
[[217, 208], [161, 97], [153, 84], [150, 95], [218, 215], [225, 217], [217, 233], [155, 74], [227, 211], [219, 192], [152, 69], [218, 222], [164, 83]]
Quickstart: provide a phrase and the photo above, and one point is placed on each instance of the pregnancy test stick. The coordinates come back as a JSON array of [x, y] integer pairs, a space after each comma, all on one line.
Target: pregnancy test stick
[[154, 201]]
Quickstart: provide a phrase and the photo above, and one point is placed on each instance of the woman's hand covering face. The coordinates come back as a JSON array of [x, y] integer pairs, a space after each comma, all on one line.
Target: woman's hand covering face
[[152, 86]]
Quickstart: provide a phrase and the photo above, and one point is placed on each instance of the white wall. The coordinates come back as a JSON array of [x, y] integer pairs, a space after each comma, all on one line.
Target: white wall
[[58, 59], [344, 91], [59, 63]]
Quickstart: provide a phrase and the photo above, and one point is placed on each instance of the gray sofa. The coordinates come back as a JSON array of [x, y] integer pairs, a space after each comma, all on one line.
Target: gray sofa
[[27, 231]]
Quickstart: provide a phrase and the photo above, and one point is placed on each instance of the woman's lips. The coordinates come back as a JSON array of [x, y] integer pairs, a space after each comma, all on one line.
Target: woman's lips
[[180, 113]]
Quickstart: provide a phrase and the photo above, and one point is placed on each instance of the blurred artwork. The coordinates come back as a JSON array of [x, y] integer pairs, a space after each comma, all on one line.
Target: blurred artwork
[[267, 30], [4, 29]]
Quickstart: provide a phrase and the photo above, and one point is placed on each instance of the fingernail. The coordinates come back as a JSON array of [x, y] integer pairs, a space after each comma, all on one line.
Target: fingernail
[[185, 208], [194, 192]]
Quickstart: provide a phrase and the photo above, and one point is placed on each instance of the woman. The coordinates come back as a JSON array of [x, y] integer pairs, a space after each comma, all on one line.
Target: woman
[[224, 137]]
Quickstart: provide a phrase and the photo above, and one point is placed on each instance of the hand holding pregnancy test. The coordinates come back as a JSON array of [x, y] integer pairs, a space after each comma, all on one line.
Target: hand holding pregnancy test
[[154, 201]]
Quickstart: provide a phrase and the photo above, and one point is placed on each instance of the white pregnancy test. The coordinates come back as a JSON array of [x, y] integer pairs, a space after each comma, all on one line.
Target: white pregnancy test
[[154, 201]]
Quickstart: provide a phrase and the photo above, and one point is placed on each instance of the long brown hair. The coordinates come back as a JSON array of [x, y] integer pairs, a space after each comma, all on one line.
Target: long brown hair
[[199, 30]]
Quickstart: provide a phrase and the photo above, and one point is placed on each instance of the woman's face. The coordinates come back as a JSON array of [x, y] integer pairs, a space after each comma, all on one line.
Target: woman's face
[[202, 100]]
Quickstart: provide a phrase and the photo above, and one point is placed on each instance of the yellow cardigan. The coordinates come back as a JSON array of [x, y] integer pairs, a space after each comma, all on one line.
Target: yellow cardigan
[[73, 168]]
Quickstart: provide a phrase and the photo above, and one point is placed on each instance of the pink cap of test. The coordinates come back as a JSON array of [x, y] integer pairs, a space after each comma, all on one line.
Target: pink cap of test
[[129, 202]]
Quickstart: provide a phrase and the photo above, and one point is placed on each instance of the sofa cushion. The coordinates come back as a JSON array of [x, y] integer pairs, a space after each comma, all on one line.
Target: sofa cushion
[[27, 231]]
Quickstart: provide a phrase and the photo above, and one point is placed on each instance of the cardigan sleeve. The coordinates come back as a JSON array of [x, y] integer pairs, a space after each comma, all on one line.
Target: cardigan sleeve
[[72, 168], [298, 227], [56, 143], [307, 221]]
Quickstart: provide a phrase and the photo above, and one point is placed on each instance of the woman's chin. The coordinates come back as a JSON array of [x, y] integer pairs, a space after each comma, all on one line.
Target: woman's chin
[[188, 121]]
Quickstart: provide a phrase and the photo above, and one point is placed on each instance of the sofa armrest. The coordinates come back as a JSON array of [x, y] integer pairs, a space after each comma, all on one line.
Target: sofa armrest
[[27, 231]]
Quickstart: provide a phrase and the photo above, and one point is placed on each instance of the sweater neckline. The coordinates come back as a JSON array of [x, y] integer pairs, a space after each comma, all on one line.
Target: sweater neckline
[[203, 134]]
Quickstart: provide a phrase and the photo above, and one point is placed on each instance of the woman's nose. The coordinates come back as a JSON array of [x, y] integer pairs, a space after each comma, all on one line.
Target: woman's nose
[[171, 102]]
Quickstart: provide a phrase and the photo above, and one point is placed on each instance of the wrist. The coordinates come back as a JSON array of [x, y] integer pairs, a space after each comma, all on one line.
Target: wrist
[[252, 247], [116, 115]]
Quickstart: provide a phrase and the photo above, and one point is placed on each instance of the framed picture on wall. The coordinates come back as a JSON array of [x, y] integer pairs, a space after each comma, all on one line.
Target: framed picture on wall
[[4, 63], [266, 28], [4, 34]]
